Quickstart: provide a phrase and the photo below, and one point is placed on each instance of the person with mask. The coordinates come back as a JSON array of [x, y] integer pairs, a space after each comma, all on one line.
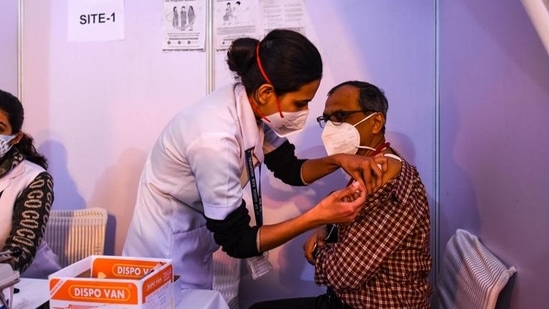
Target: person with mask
[[183, 18], [191, 16], [175, 18], [189, 200], [26, 195], [381, 259]]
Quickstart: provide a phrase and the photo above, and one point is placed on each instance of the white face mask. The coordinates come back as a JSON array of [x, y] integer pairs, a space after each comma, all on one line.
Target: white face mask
[[343, 138], [291, 123], [4, 144]]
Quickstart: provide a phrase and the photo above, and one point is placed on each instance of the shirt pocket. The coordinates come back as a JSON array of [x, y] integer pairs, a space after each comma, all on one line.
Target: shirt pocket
[[192, 257]]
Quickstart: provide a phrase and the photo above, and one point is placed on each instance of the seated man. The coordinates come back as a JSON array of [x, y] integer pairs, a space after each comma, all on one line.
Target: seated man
[[382, 259]]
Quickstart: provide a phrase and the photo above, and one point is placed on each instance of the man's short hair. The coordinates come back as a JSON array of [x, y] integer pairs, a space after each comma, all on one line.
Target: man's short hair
[[370, 98]]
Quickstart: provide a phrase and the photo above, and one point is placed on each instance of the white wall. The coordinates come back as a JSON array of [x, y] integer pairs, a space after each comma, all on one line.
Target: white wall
[[96, 108], [494, 99], [8, 46]]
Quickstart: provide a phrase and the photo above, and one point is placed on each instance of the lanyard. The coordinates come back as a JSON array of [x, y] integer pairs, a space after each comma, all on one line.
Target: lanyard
[[380, 148], [256, 190]]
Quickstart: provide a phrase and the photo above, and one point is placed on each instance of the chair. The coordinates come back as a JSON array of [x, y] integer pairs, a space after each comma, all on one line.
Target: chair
[[470, 275], [226, 278], [76, 234]]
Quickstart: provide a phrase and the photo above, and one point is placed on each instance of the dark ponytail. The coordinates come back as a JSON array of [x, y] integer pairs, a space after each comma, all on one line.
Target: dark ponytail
[[241, 55], [26, 147], [289, 59]]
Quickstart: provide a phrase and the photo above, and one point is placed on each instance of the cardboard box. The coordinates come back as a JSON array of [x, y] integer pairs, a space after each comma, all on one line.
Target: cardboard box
[[113, 282]]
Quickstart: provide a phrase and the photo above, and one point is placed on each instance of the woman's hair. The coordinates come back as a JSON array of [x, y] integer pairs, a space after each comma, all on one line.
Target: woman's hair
[[288, 59], [14, 110]]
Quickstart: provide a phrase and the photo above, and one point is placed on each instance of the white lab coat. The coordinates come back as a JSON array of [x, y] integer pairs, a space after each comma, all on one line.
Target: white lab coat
[[196, 167], [11, 185]]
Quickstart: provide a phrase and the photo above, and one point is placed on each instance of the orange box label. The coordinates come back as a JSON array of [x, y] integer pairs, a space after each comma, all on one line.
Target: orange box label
[[118, 281], [122, 269], [151, 284], [114, 293]]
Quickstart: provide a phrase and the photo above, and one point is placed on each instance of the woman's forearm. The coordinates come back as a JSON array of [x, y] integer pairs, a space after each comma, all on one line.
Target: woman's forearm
[[274, 235], [340, 206], [314, 169]]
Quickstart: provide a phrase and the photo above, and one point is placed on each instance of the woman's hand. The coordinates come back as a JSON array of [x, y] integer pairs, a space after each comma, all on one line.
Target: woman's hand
[[341, 206], [368, 171]]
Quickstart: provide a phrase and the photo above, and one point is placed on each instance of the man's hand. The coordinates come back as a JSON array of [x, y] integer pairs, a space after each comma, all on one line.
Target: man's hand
[[368, 171], [315, 241]]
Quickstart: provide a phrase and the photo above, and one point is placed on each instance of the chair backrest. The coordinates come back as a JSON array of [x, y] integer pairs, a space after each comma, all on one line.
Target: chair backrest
[[470, 275], [76, 234]]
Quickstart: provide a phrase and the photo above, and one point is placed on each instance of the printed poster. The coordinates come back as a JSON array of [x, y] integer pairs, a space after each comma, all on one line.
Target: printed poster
[[184, 25]]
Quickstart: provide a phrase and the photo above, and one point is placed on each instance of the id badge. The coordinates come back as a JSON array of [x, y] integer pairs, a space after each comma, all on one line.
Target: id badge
[[259, 265]]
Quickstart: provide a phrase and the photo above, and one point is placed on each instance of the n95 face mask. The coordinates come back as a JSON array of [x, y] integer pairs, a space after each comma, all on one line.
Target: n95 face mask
[[291, 122], [343, 137]]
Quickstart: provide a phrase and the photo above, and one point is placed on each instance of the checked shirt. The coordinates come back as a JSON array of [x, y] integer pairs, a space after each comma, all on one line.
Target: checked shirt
[[382, 259]]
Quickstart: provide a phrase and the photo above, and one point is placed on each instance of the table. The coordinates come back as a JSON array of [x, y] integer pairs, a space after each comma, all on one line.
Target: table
[[35, 292], [206, 299], [32, 293]]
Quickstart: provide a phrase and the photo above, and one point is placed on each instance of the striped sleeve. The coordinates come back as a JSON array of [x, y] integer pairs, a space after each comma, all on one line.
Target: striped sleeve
[[30, 217]]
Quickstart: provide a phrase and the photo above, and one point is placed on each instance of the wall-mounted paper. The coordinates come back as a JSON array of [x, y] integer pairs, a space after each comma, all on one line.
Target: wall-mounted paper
[[184, 25], [95, 20], [234, 19]]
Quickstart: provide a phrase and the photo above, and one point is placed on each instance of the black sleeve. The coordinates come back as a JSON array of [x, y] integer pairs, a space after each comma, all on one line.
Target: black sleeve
[[234, 234], [285, 165]]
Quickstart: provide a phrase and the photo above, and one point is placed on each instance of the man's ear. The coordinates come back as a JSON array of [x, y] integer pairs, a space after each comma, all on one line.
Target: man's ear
[[264, 93], [379, 123]]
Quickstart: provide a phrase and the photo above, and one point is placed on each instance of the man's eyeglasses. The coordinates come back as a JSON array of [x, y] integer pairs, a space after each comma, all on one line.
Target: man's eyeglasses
[[337, 117]]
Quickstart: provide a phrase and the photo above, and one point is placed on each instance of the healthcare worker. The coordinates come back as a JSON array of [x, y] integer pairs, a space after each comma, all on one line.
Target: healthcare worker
[[26, 195], [189, 199]]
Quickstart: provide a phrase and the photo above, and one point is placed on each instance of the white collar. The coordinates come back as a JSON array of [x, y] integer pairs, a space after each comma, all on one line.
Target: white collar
[[252, 132]]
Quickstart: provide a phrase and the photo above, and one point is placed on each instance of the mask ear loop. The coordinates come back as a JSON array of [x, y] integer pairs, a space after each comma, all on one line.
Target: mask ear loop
[[262, 71], [259, 112], [380, 148], [356, 124]]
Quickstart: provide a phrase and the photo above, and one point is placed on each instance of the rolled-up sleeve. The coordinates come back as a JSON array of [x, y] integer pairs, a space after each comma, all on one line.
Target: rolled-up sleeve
[[215, 160]]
